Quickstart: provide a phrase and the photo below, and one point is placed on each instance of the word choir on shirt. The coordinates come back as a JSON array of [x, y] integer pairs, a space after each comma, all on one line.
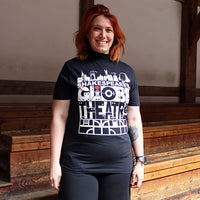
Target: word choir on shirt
[[103, 101]]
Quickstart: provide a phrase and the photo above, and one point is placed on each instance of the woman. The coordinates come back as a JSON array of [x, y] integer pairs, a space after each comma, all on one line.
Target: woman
[[96, 117]]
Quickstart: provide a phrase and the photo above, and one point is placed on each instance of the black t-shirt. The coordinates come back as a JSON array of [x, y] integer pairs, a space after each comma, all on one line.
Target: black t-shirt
[[96, 138]]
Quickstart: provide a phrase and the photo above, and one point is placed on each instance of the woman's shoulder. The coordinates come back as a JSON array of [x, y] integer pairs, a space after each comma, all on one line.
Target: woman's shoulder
[[74, 65], [125, 66], [76, 62], [72, 61]]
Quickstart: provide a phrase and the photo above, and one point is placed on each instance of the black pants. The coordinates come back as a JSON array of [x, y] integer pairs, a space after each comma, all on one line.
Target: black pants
[[80, 186]]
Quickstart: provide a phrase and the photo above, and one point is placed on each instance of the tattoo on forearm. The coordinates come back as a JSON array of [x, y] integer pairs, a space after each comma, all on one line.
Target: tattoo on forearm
[[133, 133]]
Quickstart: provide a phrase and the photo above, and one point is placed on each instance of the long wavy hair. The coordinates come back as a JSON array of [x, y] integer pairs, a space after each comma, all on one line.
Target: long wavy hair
[[82, 42]]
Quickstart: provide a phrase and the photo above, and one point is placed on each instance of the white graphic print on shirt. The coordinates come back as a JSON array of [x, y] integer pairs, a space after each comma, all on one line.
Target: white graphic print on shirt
[[103, 103]]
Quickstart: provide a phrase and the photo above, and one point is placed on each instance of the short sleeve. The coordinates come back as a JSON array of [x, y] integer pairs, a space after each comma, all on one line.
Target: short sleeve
[[64, 89], [134, 92]]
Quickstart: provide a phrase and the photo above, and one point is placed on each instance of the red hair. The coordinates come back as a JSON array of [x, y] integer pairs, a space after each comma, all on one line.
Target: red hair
[[81, 40]]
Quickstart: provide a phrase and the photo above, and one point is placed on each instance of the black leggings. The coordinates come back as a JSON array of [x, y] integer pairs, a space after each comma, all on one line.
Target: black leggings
[[81, 186]]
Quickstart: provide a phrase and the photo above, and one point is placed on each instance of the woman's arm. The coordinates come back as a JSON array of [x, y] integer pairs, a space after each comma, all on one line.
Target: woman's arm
[[60, 110], [135, 132]]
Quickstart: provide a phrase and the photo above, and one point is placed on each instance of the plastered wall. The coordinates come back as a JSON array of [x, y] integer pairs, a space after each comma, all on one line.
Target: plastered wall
[[36, 37]]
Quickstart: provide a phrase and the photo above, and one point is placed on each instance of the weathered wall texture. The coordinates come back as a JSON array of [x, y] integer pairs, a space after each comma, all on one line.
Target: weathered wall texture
[[36, 37]]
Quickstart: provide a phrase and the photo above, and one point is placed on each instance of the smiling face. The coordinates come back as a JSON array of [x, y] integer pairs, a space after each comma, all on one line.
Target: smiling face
[[101, 35]]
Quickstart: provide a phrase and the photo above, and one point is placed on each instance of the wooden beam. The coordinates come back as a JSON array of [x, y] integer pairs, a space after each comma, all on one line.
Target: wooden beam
[[180, 1], [13, 87], [188, 55], [159, 91], [198, 92], [84, 5], [195, 31]]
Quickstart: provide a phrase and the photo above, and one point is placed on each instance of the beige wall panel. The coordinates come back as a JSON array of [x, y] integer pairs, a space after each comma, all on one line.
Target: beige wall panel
[[36, 38], [153, 30]]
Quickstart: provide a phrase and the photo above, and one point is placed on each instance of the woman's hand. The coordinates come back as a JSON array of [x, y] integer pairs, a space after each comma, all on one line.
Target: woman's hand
[[138, 172], [55, 176]]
